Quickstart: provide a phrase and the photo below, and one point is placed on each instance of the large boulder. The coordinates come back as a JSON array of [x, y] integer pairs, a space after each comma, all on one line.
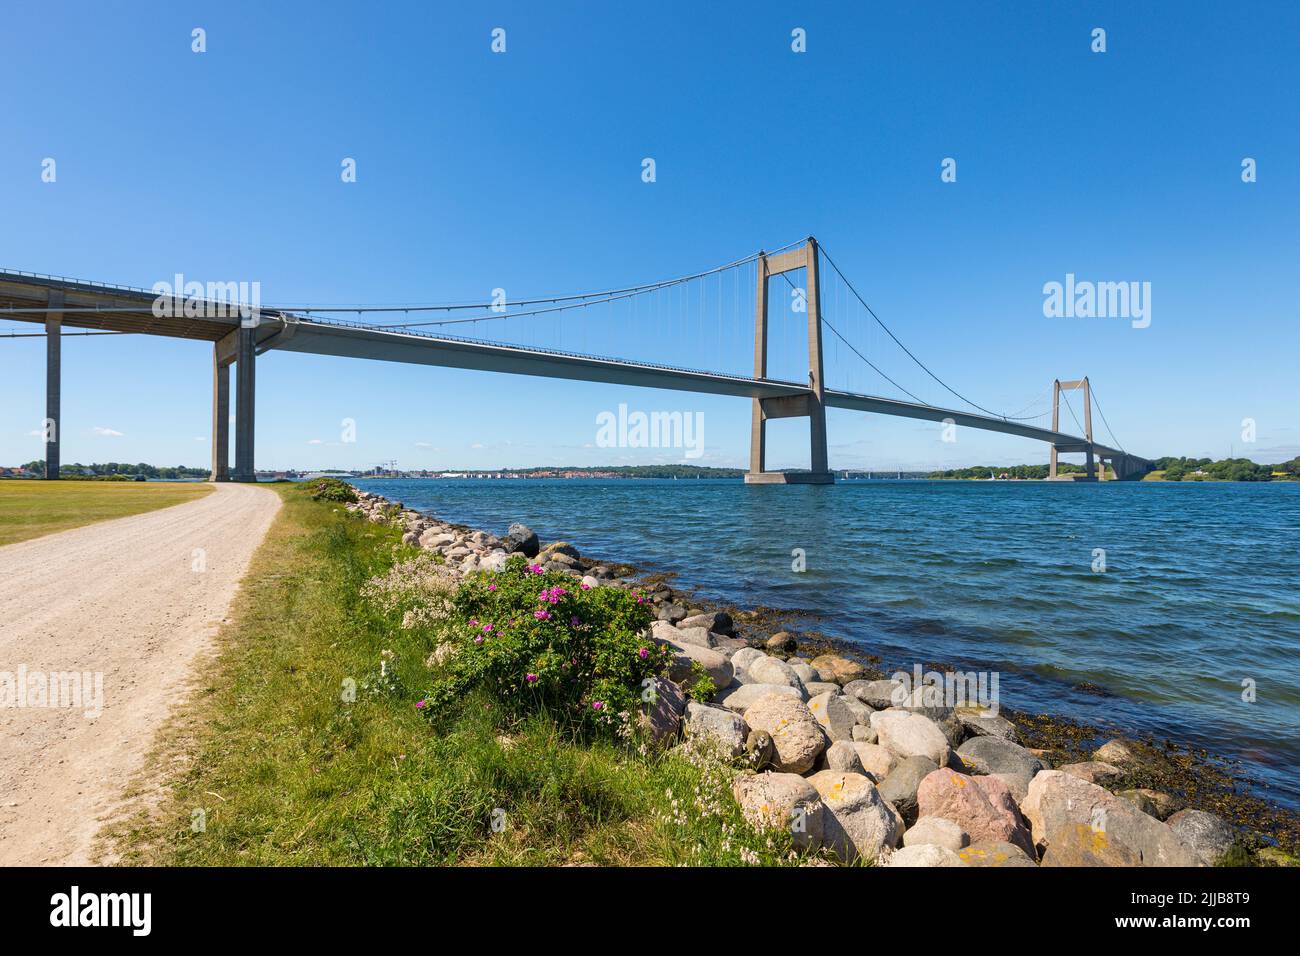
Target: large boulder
[[727, 645], [1080, 845], [740, 697], [809, 676], [560, 549], [1209, 836], [901, 784], [719, 621], [1010, 762], [493, 561], [877, 694], [837, 669], [671, 612], [861, 712], [783, 801], [434, 538], [833, 714], [699, 636], [1056, 801], [717, 727], [925, 854], [664, 715], [982, 806], [911, 735], [741, 660], [769, 670], [796, 735], [680, 667], [928, 700], [841, 756], [521, 539], [877, 761], [983, 723], [939, 831], [859, 824], [994, 853], [664, 631], [781, 643], [1114, 752]]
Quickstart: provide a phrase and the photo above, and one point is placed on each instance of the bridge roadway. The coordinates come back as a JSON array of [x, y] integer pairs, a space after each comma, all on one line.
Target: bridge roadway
[[353, 341], [122, 309]]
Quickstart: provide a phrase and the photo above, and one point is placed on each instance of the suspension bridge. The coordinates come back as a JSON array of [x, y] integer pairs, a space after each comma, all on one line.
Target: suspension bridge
[[785, 329]]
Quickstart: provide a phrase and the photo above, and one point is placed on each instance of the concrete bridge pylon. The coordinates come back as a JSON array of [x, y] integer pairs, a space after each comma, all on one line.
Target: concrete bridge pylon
[[810, 405]]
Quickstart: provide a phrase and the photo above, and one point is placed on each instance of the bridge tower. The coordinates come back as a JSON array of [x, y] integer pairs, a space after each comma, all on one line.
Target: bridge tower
[[1090, 470], [809, 405]]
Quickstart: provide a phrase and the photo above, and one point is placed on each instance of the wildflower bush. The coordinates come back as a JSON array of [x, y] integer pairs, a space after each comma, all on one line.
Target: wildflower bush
[[539, 641], [419, 589], [331, 489]]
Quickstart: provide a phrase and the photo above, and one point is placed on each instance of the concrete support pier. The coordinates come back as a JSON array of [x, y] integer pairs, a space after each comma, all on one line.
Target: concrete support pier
[[810, 406], [245, 400], [53, 384], [220, 417]]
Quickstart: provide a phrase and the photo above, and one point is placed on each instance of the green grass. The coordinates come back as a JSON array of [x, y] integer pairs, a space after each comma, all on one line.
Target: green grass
[[31, 508], [288, 772]]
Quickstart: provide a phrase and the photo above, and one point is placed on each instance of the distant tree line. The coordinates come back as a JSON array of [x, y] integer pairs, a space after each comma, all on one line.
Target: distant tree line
[[1229, 469], [1174, 468], [121, 469], [1012, 471]]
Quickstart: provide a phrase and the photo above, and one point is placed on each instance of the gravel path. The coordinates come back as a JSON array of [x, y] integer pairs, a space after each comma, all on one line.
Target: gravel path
[[134, 600]]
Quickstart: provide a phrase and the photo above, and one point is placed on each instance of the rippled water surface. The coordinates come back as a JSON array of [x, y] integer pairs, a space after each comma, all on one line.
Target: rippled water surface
[[1201, 589]]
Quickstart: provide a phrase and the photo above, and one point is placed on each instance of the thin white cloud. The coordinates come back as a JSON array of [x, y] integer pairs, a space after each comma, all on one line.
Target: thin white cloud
[[107, 432], [315, 441]]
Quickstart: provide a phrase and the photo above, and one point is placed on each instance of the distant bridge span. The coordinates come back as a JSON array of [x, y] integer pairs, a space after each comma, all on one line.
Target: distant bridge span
[[57, 303]]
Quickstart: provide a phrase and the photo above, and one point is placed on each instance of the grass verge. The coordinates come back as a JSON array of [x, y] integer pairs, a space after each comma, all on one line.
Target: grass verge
[[30, 509], [271, 764]]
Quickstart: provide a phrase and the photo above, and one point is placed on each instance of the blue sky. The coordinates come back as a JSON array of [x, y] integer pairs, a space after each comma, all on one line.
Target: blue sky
[[522, 170]]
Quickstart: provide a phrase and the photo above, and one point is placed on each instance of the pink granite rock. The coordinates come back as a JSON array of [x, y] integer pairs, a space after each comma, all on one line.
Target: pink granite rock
[[982, 806]]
